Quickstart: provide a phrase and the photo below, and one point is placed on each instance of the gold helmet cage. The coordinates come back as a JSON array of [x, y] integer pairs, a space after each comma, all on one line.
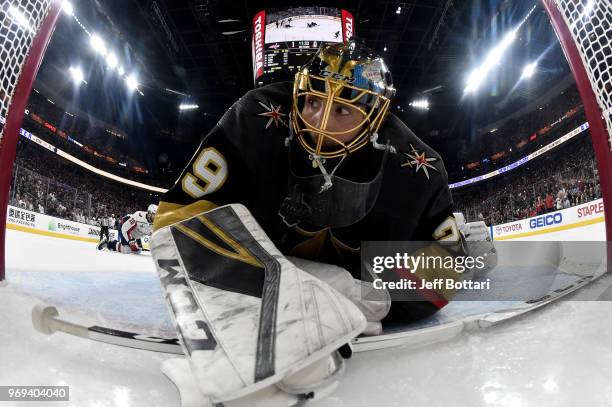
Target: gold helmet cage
[[347, 74]]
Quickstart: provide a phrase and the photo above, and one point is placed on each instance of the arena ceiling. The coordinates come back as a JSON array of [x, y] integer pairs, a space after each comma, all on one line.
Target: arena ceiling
[[202, 48], [217, 65], [431, 43], [184, 44]]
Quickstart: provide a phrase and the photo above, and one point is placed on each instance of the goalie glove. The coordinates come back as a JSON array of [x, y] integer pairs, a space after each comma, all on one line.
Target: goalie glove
[[480, 244]]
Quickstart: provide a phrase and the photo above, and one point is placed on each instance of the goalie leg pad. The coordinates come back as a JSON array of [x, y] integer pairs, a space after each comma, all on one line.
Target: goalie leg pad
[[313, 383], [246, 317]]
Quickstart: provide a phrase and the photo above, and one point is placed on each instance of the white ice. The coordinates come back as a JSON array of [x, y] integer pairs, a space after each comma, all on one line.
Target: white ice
[[560, 355]]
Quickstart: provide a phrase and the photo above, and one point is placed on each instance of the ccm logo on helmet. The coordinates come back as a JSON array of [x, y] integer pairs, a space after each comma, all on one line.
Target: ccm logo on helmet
[[547, 220], [337, 76]]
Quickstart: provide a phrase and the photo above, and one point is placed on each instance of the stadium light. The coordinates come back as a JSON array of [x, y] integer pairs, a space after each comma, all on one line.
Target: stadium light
[[77, 74], [421, 104], [67, 7], [477, 76], [492, 60], [529, 70], [111, 60], [385, 48], [20, 18], [131, 82], [399, 10], [474, 80], [188, 106], [120, 70], [98, 44]]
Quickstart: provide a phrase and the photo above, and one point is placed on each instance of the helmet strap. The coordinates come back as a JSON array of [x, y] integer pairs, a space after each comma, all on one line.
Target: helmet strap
[[318, 162], [379, 146]]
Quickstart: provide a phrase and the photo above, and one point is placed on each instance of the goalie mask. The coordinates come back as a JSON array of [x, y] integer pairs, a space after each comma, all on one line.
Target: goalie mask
[[340, 99], [339, 76]]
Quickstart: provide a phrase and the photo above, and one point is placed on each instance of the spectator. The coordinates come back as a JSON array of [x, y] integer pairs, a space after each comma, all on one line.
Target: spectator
[[47, 183], [516, 193], [566, 203], [549, 203]]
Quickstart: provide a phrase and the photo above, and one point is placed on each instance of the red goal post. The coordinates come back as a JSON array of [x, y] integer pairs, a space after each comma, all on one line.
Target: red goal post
[[584, 29], [26, 27]]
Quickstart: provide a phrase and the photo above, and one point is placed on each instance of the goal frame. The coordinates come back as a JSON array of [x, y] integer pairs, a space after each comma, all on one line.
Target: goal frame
[[600, 136], [16, 110]]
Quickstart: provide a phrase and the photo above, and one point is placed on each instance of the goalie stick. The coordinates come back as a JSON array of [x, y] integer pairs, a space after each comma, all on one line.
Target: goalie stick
[[45, 320]]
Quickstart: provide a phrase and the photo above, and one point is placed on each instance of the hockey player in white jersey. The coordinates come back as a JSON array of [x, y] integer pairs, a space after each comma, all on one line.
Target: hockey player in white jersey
[[132, 228]]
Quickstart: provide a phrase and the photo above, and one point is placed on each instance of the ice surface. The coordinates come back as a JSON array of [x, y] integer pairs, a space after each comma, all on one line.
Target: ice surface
[[560, 355]]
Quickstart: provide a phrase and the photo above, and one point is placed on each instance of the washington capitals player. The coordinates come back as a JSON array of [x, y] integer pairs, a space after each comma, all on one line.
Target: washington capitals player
[[132, 228], [258, 243]]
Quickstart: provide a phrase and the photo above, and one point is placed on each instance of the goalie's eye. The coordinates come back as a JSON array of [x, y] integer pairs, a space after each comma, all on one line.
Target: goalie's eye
[[342, 110], [313, 102]]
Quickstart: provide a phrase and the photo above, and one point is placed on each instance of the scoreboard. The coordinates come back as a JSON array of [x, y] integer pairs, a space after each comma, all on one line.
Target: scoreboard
[[283, 40], [288, 56]]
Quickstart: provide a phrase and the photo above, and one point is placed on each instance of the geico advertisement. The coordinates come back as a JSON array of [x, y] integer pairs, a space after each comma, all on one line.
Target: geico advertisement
[[574, 215]]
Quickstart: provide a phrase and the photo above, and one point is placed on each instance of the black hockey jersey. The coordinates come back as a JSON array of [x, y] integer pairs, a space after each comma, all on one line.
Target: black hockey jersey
[[246, 159]]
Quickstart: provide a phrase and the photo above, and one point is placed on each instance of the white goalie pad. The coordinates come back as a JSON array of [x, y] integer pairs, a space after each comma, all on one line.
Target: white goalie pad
[[315, 382], [246, 317]]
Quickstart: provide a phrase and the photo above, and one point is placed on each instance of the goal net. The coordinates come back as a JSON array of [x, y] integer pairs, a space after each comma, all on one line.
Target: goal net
[[584, 28], [25, 30]]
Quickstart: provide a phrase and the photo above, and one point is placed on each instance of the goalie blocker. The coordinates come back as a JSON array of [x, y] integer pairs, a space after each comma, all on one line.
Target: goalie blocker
[[249, 320]]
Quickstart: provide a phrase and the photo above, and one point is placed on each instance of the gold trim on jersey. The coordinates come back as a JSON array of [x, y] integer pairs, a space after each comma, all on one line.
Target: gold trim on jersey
[[169, 213]]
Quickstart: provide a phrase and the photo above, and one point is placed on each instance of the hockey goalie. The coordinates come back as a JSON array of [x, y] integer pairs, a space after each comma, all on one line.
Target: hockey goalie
[[257, 244], [130, 232]]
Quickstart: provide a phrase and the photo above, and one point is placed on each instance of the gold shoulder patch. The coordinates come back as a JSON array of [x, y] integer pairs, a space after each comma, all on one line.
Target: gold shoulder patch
[[169, 213]]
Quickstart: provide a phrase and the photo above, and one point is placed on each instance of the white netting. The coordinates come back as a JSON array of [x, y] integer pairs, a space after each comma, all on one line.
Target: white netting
[[19, 22], [590, 24]]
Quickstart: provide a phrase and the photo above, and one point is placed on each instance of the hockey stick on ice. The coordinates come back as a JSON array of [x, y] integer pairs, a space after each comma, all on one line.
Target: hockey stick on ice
[[44, 319]]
